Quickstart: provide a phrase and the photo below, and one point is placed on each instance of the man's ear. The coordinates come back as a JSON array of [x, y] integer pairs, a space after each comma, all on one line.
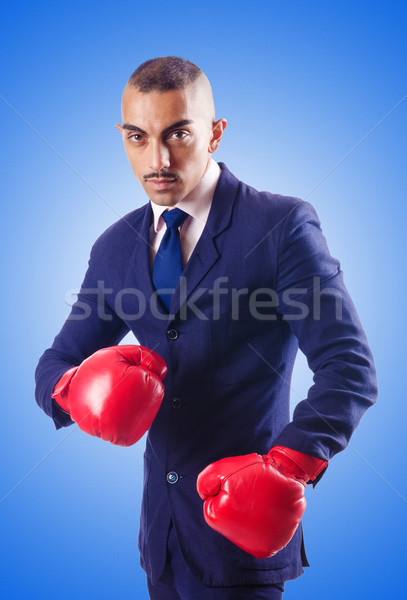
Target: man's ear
[[120, 128], [217, 131]]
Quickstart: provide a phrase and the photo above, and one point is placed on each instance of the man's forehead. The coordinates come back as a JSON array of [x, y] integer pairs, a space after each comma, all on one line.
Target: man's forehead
[[188, 103], [174, 104]]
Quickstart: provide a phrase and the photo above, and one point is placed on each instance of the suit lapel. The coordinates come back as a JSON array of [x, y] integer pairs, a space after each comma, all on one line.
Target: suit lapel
[[205, 253], [139, 274]]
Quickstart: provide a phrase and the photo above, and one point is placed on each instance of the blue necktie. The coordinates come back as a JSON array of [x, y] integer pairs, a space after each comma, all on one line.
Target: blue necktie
[[167, 268]]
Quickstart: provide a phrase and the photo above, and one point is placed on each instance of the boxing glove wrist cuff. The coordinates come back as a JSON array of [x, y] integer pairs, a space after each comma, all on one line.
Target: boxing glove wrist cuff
[[62, 410], [60, 394], [297, 464]]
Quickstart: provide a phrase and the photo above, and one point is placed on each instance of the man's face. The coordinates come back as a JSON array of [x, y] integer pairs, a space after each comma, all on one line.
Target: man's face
[[168, 138]]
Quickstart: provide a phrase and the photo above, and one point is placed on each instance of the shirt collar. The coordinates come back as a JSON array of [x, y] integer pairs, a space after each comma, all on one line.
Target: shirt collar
[[198, 202]]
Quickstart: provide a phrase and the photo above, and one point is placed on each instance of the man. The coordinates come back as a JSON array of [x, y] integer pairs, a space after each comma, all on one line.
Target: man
[[222, 282]]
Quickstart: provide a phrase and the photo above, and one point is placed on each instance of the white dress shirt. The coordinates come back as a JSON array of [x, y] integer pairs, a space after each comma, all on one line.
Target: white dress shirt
[[197, 204]]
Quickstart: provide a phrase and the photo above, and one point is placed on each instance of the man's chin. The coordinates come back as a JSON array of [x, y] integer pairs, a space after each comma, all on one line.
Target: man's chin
[[164, 197], [164, 200]]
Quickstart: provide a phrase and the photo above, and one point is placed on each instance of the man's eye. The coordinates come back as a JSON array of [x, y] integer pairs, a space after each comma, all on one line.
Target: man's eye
[[136, 137], [179, 135]]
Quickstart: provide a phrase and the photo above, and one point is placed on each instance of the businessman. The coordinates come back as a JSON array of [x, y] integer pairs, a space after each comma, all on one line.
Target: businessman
[[220, 284]]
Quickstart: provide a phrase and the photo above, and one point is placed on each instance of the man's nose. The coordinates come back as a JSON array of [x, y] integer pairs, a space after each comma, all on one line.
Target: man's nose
[[159, 156]]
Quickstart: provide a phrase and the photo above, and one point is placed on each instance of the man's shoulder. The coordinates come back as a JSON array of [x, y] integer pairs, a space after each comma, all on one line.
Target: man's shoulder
[[270, 208], [267, 201], [124, 231], [261, 201]]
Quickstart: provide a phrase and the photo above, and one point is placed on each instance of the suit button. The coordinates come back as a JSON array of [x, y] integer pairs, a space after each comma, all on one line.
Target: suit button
[[172, 334], [176, 403], [172, 477]]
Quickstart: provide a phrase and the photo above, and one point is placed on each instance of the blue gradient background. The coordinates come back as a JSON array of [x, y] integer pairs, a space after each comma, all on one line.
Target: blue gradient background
[[301, 83]]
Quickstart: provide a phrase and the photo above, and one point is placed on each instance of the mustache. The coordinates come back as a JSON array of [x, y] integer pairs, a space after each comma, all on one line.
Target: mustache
[[161, 174]]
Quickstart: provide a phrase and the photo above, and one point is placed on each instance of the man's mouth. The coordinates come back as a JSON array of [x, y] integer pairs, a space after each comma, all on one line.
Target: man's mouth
[[160, 183]]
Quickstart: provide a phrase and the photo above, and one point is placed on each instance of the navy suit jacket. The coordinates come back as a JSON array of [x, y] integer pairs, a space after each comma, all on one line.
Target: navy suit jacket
[[260, 282]]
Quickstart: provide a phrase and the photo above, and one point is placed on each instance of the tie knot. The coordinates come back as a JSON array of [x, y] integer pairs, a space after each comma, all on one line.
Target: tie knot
[[174, 217]]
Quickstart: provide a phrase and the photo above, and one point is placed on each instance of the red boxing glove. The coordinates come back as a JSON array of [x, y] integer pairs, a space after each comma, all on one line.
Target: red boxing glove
[[114, 394], [257, 501]]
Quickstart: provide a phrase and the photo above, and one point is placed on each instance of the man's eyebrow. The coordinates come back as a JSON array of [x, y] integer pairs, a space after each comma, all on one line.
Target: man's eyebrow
[[133, 128], [176, 125]]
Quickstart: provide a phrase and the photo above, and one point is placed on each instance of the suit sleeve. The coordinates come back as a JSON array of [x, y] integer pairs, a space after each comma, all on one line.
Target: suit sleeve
[[92, 324], [316, 305]]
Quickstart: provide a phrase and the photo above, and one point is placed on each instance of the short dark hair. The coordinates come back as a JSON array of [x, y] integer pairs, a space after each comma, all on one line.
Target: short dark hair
[[164, 73]]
